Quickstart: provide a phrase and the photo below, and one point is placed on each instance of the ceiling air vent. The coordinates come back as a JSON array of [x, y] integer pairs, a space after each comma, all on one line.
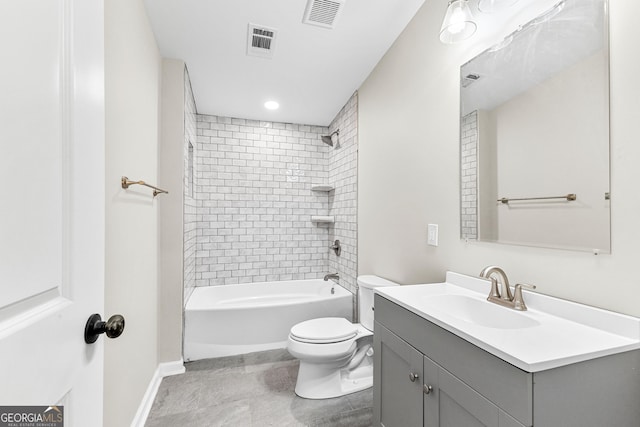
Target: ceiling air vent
[[261, 40], [469, 79], [323, 13]]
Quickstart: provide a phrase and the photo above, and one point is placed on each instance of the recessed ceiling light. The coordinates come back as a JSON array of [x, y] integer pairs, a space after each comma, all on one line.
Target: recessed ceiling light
[[271, 105]]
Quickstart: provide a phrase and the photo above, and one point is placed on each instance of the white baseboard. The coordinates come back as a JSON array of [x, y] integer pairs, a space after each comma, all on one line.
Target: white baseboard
[[171, 368], [163, 370]]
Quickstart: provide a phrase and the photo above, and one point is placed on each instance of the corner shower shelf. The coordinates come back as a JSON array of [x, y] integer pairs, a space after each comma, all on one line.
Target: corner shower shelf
[[320, 219], [322, 187]]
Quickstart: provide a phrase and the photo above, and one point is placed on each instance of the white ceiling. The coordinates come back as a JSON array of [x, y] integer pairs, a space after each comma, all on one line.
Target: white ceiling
[[313, 72]]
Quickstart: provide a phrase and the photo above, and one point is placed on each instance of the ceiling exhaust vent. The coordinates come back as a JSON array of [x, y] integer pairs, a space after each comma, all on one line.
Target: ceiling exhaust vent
[[323, 13], [261, 40], [469, 79]]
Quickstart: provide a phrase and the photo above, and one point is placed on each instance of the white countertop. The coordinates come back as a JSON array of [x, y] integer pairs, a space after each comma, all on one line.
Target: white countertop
[[558, 332]]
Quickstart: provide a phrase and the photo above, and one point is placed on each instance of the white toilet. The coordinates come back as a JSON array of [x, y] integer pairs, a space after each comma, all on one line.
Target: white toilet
[[336, 356]]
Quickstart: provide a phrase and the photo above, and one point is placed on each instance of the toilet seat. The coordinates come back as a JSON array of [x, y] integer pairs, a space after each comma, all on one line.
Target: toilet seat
[[325, 330]]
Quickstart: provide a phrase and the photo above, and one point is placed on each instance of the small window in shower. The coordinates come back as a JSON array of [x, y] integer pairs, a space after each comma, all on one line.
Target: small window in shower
[[190, 171]]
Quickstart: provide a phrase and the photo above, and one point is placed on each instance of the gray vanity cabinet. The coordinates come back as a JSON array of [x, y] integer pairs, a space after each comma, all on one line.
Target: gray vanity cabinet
[[412, 390], [448, 402], [427, 376], [398, 393]]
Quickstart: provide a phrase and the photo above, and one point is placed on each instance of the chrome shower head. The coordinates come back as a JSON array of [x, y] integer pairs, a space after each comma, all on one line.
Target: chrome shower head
[[328, 139]]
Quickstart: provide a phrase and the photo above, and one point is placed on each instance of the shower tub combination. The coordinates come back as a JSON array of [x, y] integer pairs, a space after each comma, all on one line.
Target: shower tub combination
[[236, 319]]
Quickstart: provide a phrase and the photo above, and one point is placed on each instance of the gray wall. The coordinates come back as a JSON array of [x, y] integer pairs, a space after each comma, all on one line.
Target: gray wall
[[171, 211], [408, 172], [132, 102]]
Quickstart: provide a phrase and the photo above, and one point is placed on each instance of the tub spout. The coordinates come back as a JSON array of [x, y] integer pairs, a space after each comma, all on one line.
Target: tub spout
[[332, 276]]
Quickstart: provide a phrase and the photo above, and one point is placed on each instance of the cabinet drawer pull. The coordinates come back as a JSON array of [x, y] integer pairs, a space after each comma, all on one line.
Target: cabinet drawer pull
[[427, 389], [413, 377]]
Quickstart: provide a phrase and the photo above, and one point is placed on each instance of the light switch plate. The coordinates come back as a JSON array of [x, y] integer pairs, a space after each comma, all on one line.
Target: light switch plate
[[432, 235]]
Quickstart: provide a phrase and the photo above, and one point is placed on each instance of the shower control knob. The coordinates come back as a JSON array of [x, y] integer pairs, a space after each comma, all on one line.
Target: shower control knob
[[413, 377], [113, 327], [337, 248]]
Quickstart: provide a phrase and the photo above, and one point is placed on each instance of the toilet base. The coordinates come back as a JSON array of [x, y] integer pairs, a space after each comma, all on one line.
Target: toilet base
[[324, 381]]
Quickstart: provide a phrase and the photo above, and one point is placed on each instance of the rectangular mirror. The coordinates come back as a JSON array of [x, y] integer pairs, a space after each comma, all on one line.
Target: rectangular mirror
[[534, 137]]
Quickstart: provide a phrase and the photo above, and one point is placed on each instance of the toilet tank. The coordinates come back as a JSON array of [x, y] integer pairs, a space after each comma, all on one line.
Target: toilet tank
[[365, 297]]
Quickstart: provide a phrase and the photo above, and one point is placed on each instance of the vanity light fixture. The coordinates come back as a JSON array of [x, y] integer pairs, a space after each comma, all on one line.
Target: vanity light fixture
[[458, 24], [489, 6]]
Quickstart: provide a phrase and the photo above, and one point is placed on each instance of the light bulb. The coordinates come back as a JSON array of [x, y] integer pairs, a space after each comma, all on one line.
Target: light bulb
[[457, 21], [458, 24]]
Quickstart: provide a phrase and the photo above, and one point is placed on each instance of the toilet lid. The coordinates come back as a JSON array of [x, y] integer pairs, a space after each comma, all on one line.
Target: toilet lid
[[324, 330]]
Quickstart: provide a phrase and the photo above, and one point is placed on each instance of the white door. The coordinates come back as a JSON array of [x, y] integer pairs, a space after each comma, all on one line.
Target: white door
[[51, 204]]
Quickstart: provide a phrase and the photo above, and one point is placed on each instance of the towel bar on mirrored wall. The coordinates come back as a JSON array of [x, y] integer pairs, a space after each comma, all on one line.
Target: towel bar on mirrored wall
[[126, 183], [569, 197]]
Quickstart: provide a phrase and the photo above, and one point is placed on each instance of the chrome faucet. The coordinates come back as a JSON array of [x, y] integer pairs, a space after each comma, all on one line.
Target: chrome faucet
[[503, 295]]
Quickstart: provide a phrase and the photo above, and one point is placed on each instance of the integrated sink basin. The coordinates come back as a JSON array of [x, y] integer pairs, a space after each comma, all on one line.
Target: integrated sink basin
[[551, 333], [479, 312]]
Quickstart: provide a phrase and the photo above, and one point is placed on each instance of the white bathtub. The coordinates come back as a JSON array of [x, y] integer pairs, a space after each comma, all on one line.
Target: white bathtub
[[237, 319]]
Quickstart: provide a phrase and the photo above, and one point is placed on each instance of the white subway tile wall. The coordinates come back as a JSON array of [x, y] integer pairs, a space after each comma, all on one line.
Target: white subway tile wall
[[254, 201], [343, 175], [249, 219], [469, 179], [190, 215]]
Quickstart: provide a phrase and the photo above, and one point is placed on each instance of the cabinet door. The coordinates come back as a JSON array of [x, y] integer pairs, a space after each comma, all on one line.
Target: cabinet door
[[452, 403], [397, 381]]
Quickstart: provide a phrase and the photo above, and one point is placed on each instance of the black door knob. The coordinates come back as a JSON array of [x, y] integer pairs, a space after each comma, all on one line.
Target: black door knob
[[95, 326]]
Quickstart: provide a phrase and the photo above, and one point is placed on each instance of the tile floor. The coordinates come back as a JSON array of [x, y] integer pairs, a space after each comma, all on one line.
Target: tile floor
[[251, 390]]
